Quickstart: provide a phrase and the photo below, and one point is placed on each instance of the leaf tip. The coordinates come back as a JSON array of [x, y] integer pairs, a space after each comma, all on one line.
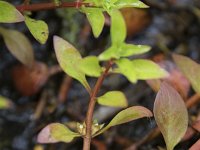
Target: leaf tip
[[44, 136], [56, 38], [9, 14], [20, 17]]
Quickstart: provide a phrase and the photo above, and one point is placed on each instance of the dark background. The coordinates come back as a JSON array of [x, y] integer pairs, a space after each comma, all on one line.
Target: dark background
[[168, 26]]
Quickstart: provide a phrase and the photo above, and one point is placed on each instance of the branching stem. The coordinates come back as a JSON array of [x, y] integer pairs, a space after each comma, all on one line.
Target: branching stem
[[89, 120]]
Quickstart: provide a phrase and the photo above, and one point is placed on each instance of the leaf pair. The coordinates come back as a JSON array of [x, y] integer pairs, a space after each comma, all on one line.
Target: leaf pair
[[119, 48], [77, 67], [118, 27], [96, 18], [57, 132], [38, 28]]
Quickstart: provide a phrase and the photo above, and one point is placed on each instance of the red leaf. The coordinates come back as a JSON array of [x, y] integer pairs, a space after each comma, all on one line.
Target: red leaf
[[171, 115]]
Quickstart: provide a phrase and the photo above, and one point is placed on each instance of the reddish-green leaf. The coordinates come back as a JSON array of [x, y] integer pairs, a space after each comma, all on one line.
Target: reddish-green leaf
[[171, 115], [190, 69], [127, 115], [19, 45], [56, 132], [69, 59], [113, 99], [9, 14]]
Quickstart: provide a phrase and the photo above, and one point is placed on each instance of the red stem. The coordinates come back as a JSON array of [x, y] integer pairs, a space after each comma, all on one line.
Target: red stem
[[48, 6], [89, 120]]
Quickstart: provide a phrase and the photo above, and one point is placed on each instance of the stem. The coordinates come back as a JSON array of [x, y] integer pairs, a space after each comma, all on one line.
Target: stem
[[51, 5], [89, 120]]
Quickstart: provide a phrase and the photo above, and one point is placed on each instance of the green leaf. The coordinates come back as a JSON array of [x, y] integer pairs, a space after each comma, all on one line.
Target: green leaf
[[113, 1], [146, 69], [56, 132], [123, 50], [127, 115], [90, 66], [96, 19], [113, 99], [139, 69], [190, 69], [38, 29], [131, 49], [96, 2], [171, 115], [9, 14], [4, 102], [126, 68], [19, 45], [69, 59], [118, 27], [109, 53], [130, 3]]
